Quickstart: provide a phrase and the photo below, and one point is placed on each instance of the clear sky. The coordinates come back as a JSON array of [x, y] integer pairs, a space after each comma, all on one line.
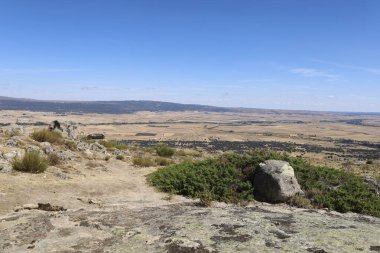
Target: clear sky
[[289, 54]]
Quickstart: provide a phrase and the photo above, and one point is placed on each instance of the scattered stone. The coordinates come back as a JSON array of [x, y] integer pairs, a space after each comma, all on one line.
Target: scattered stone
[[61, 176], [55, 125], [72, 131], [316, 250], [14, 129], [5, 167], [47, 147], [82, 146], [32, 148], [26, 207], [64, 155], [96, 136], [275, 181], [97, 147], [50, 208], [88, 153], [13, 141], [14, 153]]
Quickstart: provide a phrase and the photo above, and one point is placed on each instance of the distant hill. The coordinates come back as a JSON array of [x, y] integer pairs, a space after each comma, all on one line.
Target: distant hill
[[131, 106], [112, 107]]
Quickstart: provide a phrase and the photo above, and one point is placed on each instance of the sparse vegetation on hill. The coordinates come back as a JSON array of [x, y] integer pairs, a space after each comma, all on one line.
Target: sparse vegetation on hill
[[45, 135], [229, 178], [32, 162]]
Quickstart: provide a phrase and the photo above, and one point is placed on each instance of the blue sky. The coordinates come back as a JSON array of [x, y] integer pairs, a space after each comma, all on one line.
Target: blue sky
[[289, 54]]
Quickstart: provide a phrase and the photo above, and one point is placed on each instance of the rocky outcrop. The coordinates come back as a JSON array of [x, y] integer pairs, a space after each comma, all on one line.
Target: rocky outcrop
[[68, 129], [72, 131], [275, 182]]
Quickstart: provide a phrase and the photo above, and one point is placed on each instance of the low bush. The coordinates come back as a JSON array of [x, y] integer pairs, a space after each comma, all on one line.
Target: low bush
[[187, 152], [111, 145], [161, 161], [164, 150], [45, 135], [32, 162], [143, 161], [229, 178], [120, 157], [54, 159]]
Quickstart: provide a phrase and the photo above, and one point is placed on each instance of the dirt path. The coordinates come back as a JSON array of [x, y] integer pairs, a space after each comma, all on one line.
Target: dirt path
[[112, 183]]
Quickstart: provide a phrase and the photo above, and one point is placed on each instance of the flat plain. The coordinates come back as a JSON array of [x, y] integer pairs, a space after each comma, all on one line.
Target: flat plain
[[349, 141]]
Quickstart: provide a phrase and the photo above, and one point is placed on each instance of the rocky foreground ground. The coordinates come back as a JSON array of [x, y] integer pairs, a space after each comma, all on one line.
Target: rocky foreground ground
[[106, 206]]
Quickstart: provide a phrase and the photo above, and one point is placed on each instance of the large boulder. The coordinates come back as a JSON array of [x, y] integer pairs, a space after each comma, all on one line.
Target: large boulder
[[275, 182]]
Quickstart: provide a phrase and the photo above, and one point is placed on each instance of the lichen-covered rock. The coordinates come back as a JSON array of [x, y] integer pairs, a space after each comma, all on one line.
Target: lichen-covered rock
[[97, 147], [5, 167], [14, 129], [64, 155], [82, 146], [275, 181], [33, 148], [71, 131], [47, 147], [13, 141], [9, 156]]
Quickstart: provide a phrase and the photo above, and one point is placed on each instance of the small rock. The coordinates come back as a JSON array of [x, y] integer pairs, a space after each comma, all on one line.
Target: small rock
[[96, 136], [97, 147], [48, 207], [13, 142], [32, 148], [14, 129], [82, 146], [47, 147]]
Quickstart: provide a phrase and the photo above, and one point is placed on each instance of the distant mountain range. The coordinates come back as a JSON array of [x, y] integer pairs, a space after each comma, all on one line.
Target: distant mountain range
[[112, 107], [128, 106]]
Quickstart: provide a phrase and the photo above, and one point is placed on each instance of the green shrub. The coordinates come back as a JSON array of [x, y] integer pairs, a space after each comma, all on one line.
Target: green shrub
[[187, 152], [120, 157], [111, 145], [54, 159], [229, 178], [107, 158], [31, 162], [45, 135], [143, 161], [163, 161], [299, 201], [164, 150]]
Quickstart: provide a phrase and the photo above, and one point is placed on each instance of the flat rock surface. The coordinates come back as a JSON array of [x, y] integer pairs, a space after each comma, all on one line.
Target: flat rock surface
[[187, 228]]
